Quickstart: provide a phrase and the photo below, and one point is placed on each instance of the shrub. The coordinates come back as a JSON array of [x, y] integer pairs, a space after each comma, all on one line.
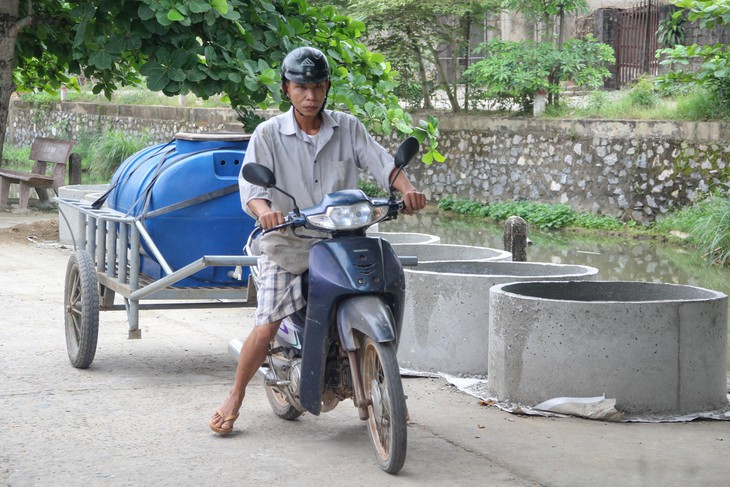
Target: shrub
[[643, 94], [111, 149], [711, 232], [17, 156]]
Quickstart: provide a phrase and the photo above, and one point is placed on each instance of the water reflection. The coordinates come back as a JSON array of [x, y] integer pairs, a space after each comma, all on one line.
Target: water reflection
[[616, 258]]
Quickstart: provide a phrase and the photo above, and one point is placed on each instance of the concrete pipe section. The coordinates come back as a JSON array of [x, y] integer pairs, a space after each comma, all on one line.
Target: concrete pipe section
[[655, 348], [446, 311], [449, 252], [406, 237]]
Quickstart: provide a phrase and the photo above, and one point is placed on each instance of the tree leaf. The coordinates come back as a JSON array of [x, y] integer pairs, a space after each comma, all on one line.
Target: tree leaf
[[144, 12], [199, 6], [220, 5], [101, 59], [176, 74], [175, 15], [156, 75]]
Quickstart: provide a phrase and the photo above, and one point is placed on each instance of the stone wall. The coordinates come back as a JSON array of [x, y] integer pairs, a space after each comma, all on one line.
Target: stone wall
[[629, 169]]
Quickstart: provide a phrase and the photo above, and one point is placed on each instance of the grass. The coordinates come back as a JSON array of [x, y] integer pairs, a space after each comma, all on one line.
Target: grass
[[127, 96], [112, 148], [101, 154], [543, 215], [643, 101], [17, 157], [707, 224]]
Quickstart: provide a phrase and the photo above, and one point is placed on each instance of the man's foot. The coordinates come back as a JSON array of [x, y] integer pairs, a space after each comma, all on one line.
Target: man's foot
[[222, 423]]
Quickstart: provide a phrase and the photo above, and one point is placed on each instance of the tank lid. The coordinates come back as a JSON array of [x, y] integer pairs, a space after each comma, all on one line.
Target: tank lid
[[222, 136]]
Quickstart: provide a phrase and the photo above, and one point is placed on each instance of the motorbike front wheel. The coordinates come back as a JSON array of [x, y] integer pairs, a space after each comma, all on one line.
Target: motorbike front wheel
[[387, 410]]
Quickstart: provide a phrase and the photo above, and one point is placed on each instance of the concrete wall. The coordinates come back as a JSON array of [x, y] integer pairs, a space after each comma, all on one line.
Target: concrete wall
[[630, 169]]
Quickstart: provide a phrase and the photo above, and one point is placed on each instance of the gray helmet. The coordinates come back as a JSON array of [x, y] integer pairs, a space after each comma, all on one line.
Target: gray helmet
[[305, 65]]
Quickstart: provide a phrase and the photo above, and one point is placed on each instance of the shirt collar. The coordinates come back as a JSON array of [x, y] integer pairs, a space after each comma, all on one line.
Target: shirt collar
[[289, 124]]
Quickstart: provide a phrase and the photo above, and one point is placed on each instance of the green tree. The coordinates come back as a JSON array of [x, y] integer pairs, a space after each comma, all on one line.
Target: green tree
[[549, 13], [714, 71], [512, 72], [204, 47], [414, 32]]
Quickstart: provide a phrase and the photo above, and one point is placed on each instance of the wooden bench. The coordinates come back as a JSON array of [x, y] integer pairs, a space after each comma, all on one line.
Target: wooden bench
[[50, 157]]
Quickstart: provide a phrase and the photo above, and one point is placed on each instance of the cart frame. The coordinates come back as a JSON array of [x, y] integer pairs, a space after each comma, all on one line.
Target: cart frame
[[110, 242]]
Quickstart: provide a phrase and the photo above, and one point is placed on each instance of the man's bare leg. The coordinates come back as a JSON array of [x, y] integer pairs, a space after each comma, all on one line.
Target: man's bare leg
[[253, 354]]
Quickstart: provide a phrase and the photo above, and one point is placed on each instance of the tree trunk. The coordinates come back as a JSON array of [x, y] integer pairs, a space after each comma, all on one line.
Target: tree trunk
[[447, 86], [467, 36], [457, 76], [9, 27], [424, 77]]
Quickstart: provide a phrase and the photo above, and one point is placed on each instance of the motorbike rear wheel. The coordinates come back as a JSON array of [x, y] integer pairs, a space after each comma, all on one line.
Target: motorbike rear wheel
[[280, 404], [387, 411]]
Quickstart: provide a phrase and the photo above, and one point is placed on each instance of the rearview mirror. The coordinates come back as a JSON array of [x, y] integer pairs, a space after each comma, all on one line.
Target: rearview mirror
[[406, 151], [259, 175]]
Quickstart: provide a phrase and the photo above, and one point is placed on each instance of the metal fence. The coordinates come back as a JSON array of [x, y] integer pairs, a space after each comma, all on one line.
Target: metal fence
[[636, 40]]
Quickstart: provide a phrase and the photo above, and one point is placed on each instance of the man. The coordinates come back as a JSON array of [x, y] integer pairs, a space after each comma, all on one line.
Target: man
[[312, 152]]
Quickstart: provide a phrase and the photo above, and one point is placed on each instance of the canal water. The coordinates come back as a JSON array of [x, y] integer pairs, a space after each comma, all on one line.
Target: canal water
[[616, 258]]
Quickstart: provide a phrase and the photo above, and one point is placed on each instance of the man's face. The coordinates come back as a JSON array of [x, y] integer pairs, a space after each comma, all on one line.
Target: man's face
[[307, 98]]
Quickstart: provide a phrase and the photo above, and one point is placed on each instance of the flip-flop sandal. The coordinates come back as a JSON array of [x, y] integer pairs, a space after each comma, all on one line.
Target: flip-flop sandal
[[226, 419]]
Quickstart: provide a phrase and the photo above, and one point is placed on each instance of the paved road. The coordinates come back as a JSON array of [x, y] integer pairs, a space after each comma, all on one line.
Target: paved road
[[138, 416]]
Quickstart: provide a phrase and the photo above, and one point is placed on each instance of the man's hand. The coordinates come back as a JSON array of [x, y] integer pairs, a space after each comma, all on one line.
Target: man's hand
[[414, 201], [270, 219], [267, 217]]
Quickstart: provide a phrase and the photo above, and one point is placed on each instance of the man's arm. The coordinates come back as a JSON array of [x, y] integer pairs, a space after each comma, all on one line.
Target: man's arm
[[266, 216], [414, 199]]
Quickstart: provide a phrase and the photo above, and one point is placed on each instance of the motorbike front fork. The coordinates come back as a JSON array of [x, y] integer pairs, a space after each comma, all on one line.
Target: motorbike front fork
[[361, 402]]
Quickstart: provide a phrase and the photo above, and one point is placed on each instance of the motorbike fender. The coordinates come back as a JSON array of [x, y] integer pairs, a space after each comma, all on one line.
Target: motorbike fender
[[369, 315], [334, 279]]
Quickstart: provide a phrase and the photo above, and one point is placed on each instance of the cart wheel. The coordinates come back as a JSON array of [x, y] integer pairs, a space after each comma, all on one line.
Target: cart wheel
[[81, 305]]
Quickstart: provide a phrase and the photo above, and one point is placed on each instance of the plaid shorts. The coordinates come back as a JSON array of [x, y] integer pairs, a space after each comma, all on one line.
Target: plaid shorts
[[279, 292]]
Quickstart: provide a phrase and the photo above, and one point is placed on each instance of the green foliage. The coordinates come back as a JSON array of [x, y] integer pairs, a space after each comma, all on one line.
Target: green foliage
[[109, 150], [714, 71], [598, 100], [543, 215], [414, 34], [707, 223], [712, 232], [542, 9], [671, 31], [207, 47], [682, 220], [514, 71], [643, 94], [17, 157], [701, 105], [372, 189], [599, 222], [649, 101]]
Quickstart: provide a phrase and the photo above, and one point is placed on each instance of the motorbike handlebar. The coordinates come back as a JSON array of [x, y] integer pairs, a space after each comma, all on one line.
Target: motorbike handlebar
[[296, 220]]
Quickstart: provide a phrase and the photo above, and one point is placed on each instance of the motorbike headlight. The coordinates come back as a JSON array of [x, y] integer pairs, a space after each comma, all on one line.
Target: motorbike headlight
[[349, 217]]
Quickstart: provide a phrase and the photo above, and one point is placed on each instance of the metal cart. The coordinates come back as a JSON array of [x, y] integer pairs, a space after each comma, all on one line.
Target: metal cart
[[106, 261]]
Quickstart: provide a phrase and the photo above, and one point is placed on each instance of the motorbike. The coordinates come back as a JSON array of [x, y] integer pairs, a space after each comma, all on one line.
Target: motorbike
[[343, 344]]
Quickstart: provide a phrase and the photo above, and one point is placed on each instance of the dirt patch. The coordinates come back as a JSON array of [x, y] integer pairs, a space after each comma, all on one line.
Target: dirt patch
[[40, 231]]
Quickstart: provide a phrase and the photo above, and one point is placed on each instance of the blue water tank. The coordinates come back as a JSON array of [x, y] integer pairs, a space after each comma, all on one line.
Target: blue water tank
[[198, 173]]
